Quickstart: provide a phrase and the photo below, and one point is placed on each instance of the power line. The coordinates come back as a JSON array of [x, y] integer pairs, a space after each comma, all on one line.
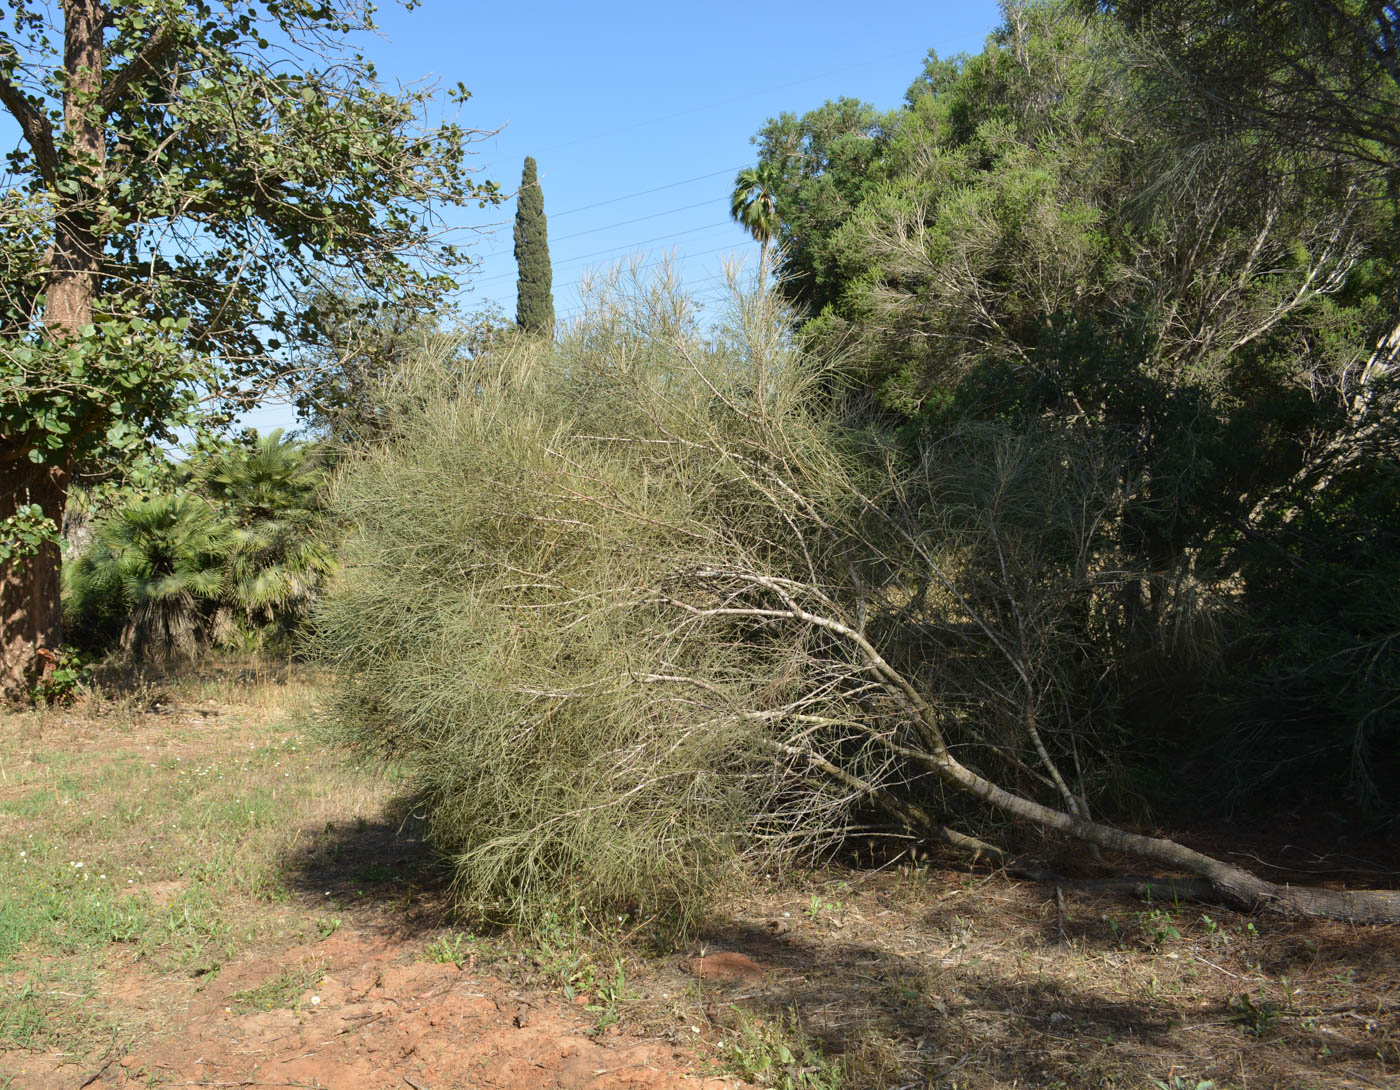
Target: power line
[[617, 249], [655, 262], [637, 219], [644, 192]]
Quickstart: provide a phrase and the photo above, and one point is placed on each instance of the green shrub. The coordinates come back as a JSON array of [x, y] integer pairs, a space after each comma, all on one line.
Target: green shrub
[[500, 621], [234, 557], [631, 607], [159, 564]]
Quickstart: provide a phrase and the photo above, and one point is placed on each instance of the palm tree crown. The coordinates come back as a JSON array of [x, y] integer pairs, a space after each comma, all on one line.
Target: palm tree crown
[[754, 202]]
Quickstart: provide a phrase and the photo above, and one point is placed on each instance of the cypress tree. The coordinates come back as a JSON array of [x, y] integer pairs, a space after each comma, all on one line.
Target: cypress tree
[[534, 303]]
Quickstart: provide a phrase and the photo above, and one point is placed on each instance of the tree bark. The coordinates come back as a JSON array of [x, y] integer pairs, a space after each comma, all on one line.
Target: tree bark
[[71, 285], [31, 610]]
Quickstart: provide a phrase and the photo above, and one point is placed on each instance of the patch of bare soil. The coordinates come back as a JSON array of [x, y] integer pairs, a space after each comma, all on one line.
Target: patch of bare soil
[[367, 1019], [939, 978], [358, 1008], [914, 977]]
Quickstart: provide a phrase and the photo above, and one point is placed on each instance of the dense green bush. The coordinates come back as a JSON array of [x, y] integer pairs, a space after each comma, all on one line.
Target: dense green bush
[[1064, 235], [232, 556], [630, 608]]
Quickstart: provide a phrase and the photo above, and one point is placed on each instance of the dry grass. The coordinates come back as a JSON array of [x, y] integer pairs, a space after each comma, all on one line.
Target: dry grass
[[211, 828], [163, 825], [930, 977]]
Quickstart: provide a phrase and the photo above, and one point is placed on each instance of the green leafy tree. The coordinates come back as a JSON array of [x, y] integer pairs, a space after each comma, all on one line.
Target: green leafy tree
[[186, 173], [1321, 72], [1052, 237], [824, 162], [534, 306]]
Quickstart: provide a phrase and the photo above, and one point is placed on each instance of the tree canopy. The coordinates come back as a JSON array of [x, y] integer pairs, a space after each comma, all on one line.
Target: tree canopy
[[188, 174], [1062, 235]]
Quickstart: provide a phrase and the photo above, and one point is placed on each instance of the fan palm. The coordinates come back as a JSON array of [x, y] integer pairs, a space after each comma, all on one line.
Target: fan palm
[[754, 204], [163, 559], [271, 494]]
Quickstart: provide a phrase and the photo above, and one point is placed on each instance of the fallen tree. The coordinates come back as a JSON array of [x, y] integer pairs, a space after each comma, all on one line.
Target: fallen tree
[[629, 607]]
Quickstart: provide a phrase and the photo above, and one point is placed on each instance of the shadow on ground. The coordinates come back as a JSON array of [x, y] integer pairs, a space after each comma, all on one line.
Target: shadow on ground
[[982, 984], [379, 869]]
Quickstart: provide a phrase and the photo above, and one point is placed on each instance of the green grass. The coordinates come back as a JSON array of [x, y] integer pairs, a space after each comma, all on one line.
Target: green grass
[[163, 842], [31, 805], [283, 991], [54, 1006], [777, 1054], [454, 948]]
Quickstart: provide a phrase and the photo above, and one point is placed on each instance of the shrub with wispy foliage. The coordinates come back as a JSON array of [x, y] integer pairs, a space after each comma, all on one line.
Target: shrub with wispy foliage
[[635, 606], [501, 619]]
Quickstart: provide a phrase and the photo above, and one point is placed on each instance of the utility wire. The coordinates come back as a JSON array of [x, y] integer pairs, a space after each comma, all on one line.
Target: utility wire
[[616, 249], [651, 264], [636, 219], [644, 192]]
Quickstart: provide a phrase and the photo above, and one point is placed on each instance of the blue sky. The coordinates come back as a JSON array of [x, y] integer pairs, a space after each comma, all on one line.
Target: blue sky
[[640, 114], [650, 108]]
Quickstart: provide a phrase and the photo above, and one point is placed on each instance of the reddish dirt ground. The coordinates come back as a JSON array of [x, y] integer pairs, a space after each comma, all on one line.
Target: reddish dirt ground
[[915, 976], [371, 1021]]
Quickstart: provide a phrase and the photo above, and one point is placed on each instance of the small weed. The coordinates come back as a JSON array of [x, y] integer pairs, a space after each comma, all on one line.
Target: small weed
[[1157, 927], [60, 685], [1176, 1082], [327, 926], [778, 1055], [608, 992], [818, 906], [1217, 935], [453, 949], [1255, 1012], [281, 991]]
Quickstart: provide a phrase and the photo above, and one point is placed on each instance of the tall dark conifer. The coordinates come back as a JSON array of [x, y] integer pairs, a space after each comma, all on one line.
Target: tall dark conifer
[[534, 305]]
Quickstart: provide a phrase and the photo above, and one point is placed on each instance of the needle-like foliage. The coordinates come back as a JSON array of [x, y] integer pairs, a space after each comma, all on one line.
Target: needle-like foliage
[[630, 608]]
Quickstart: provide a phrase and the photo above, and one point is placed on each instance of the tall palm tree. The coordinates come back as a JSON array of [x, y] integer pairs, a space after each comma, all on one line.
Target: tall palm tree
[[754, 204]]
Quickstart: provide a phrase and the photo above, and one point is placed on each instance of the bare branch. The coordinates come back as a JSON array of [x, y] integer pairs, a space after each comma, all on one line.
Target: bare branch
[[36, 128]]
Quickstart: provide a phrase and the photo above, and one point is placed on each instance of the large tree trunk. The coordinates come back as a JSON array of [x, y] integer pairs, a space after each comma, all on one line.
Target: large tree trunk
[[77, 257], [31, 611]]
